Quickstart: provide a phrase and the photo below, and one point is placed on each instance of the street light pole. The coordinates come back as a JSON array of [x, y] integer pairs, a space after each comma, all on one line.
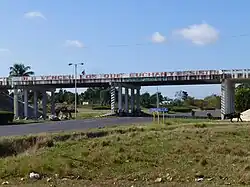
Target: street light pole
[[75, 66], [157, 98]]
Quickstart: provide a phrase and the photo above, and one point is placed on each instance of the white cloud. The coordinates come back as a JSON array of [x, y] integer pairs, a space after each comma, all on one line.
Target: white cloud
[[199, 34], [34, 14], [74, 43], [158, 38]]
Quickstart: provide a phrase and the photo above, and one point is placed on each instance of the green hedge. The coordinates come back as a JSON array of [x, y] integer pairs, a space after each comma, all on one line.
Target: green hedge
[[6, 117], [181, 109], [101, 107]]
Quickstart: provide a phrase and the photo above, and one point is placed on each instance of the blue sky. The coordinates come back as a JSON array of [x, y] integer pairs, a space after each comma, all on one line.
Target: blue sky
[[182, 35]]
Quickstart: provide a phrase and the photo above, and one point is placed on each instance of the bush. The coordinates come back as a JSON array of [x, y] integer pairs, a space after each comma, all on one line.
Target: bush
[[6, 117], [181, 109], [101, 108]]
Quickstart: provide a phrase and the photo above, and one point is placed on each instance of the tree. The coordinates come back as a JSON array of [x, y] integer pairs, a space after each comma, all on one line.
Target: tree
[[242, 98], [181, 95], [97, 95], [105, 97], [190, 101], [153, 98], [145, 99], [18, 70], [213, 101]]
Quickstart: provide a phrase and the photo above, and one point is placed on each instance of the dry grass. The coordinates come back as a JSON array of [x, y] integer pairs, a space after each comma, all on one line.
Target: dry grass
[[134, 155]]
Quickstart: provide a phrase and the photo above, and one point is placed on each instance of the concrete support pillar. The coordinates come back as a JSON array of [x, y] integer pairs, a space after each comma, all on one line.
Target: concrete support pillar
[[120, 99], [35, 105], [25, 94], [138, 108], [16, 111], [113, 99], [132, 100], [126, 100], [53, 109], [44, 103], [227, 97]]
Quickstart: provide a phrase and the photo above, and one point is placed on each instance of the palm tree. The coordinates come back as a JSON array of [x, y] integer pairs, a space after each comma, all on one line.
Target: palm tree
[[18, 70]]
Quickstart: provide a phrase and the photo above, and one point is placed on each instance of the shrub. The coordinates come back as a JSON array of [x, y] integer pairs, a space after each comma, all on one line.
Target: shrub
[[181, 109], [6, 117], [101, 108]]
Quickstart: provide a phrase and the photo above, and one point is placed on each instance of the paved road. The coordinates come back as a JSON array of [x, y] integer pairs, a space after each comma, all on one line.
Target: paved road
[[214, 113], [11, 130]]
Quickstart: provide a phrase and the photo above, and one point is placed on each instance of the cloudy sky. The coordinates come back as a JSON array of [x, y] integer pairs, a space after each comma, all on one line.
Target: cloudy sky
[[126, 36]]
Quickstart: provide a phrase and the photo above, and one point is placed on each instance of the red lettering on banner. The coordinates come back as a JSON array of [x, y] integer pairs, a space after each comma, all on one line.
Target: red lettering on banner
[[169, 74], [192, 73], [149, 74], [92, 76], [200, 72], [24, 78], [88, 77], [119, 75], [131, 75], [66, 77], [55, 77], [113, 76]]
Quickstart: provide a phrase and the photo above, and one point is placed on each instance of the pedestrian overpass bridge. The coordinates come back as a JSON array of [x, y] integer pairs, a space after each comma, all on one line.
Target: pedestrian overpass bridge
[[132, 81]]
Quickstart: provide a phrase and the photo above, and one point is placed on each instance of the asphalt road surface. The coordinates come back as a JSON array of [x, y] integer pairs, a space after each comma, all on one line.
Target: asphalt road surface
[[12, 130]]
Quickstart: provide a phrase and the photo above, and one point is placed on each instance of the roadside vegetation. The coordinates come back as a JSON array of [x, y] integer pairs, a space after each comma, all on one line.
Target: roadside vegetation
[[177, 153]]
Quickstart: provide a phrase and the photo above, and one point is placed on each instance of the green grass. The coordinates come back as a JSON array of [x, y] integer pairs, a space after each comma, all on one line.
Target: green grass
[[84, 113], [135, 155]]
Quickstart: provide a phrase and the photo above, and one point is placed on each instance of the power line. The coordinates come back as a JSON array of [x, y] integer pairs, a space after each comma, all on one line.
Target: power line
[[241, 35], [163, 43]]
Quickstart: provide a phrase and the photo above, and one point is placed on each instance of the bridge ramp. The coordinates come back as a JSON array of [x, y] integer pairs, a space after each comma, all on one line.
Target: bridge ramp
[[7, 104], [245, 116]]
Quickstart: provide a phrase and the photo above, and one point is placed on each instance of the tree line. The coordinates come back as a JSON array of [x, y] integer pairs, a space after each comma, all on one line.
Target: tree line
[[101, 96]]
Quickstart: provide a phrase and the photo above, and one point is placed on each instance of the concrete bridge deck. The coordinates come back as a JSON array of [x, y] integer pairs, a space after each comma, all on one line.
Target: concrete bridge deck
[[133, 81]]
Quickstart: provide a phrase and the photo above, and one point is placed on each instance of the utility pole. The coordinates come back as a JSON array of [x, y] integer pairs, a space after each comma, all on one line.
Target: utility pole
[[157, 98], [75, 68]]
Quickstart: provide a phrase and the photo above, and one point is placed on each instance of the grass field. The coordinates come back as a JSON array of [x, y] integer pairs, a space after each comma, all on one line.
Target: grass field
[[174, 154], [84, 113]]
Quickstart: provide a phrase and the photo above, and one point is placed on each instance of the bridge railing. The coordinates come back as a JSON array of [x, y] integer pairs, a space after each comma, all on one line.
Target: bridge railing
[[4, 81], [126, 77]]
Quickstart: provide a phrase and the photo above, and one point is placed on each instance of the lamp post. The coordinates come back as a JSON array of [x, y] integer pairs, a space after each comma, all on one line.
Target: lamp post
[[75, 66], [157, 98]]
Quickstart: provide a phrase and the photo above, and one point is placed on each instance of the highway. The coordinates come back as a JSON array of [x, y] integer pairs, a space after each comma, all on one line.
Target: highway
[[25, 129]]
